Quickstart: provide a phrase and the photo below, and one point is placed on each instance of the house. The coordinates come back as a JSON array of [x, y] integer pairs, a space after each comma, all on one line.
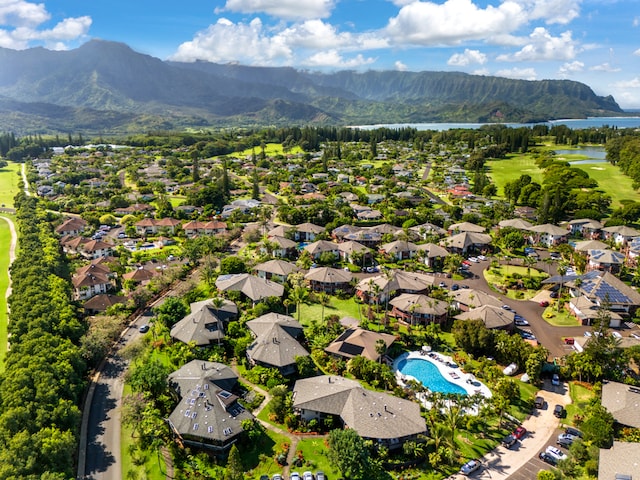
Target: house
[[465, 242], [329, 280], [620, 462], [45, 191], [585, 227], [368, 238], [205, 324], [338, 233], [419, 309], [400, 250], [280, 231], [90, 284], [139, 276], [623, 402], [355, 253], [208, 414], [586, 245], [306, 232], [620, 234], [133, 209], [276, 342], [428, 229], [587, 311], [369, 215], [317, 249], [465, 227], [467, 299], [196, 227], [244, 206], [72, 226], [276, 270], [432, 254], [517, 223], [493, 317], [100, 303], [358, 341], [605, 259], [381, 288], [72, 245], [548, 235], [95, 249], [282, 247], [377, 416], [604, 288], [152, 226], [251, 286]]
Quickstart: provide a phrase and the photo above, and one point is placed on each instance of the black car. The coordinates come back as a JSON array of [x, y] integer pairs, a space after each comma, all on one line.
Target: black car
[[558, 411], [455, 287], [509, 441], [550, 459]]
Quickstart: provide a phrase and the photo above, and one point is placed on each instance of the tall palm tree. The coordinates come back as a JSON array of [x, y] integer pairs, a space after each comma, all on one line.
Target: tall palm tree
[[299, 295], [562, 270]]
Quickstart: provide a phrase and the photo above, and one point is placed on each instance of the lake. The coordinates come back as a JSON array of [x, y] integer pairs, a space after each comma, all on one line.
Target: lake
[[595, 154], [593, 122]]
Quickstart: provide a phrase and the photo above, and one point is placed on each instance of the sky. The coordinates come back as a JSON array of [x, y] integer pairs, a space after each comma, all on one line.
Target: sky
[[596, 42]]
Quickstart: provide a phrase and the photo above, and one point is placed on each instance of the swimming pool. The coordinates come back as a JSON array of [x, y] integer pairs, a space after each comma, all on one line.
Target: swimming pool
[[428, 374]]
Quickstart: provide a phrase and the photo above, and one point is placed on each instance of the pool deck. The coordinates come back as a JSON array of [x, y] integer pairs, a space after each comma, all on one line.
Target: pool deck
[[449, 373]]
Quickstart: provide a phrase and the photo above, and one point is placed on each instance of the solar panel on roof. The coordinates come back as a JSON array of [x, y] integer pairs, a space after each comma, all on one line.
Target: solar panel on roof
[[351, 349], [346, 334]]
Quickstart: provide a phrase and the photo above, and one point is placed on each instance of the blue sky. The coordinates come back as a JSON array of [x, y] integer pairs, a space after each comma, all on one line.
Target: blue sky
[[592, 41]]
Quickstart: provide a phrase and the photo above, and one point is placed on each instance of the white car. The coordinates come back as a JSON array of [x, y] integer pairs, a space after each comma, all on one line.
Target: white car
[[481, 257], [470, 467], [556, 452], [616, 334], [474, 259]]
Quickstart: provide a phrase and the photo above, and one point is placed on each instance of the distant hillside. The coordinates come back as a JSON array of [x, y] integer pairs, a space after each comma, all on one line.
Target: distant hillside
[[106, 87]]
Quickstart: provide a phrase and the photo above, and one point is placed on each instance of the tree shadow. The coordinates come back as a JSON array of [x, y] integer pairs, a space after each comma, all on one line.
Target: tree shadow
[[98, 456]]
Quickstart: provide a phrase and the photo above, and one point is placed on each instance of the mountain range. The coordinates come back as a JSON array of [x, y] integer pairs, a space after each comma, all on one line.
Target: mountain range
[[106, 87]]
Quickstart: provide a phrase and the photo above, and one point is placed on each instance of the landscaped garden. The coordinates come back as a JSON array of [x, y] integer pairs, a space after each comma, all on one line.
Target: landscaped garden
[[560, 318], [521, 283]]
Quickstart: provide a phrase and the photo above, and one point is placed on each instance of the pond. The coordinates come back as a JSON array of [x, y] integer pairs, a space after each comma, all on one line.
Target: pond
[[594, 154]]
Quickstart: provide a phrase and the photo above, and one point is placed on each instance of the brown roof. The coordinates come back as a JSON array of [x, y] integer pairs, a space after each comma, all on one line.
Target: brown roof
[[492, 317], [421, 304], [358, 341], [328, 275], [101, 302]]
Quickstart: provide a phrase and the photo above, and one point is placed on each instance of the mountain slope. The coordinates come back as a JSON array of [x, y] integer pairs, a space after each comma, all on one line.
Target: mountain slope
[[135, 91]]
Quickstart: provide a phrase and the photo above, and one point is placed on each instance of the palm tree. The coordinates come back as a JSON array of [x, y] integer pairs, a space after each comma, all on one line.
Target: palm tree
[[529, 262], [562, 270], [381, 348], [298, 296]]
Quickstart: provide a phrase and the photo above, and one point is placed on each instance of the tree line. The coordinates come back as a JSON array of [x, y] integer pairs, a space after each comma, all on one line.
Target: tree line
[[44, 372]]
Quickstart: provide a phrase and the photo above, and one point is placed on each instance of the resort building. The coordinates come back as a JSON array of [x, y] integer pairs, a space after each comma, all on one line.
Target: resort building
[[358, 341]]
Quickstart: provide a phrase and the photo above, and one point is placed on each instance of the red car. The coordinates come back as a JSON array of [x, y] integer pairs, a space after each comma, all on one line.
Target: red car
[[544, 303], [519, 432]]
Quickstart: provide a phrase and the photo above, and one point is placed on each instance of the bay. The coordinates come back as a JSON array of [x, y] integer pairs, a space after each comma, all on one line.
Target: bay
[[592, 122]]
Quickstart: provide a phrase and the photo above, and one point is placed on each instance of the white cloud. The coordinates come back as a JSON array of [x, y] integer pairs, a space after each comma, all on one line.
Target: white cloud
[[543, 46], [568, 68], [466, 58], [315, 34], [551, 11], [289, 9], [427, 23], [636, 21], [20, 13], [605, 67], [518, 73], [226, 41], [482, 71], [633, 83], [401, 67], [637, 52], [332, 58]]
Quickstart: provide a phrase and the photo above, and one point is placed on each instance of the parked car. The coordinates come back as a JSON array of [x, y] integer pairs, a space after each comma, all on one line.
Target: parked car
[[545, 457], [307, 476], [455, 287], [573, 431], [481, 257], [506, 307], [539, 402], [558, 411], [294, 476], [553, 294], [616, 334], [442, 285], [565, 440], [588, 334], [509, 441], [556, 452], [320, 475], [544, 303], [264, 477], [521, 322], [635, 335], [519, 432], [470, 467], [144, 329], [474, 259], [276, 476], [555, 380]]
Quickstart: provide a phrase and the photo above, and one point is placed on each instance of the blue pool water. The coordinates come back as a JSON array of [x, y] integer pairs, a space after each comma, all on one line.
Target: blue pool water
[[428, 374]]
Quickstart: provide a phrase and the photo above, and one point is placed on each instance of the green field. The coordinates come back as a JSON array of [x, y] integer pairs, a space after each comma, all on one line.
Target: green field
[[609, 177], [5, 240], [342, 308], [9, 179], [270, 150]]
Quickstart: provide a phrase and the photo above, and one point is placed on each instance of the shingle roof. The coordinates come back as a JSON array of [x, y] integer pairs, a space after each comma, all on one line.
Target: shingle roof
[[475, 298], [374, 415], [328, 275], [277, 267], [466, 227], [549, 229], [623, 402], [101, 302], [275, 343], [321, 246], [201, 326], [253, 287], [517, 223], [622, 459], [492, 317], [358, 341], [421, 304], [466, 239]]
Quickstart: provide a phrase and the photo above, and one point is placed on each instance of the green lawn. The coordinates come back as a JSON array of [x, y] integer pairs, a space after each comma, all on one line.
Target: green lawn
[[506, 170], [580, 398], [271, 149], [342, 308], [9, 179], [611, 181], [496, 276], [314, 452], [559, 319]]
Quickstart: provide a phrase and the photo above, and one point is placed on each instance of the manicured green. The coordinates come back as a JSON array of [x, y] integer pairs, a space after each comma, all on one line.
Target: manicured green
[[559, 319], [581, 395], [270, 150], [495, 276], [611, 181], [342, 308], [509, 169], [9, 178], [314, 451]]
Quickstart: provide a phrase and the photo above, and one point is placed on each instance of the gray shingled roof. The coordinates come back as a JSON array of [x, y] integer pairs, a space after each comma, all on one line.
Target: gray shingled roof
[[277, 267], [421, 304], [253, 287], [201, 326], [623, 402], [623, 459], [493, 317], [275, 342], [207, 410], [328, 275], [374, 415]]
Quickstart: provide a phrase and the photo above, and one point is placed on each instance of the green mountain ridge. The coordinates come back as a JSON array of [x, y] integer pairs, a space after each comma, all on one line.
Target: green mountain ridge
[[62, 91]]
